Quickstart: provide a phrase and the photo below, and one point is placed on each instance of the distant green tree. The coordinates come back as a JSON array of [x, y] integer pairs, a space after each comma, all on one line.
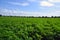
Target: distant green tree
[[0, 15], [52, 16], [42, 16], [45, 16]]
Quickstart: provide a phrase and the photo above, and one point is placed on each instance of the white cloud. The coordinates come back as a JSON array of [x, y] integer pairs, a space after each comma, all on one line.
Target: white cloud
[[20, 4], [17, 12], [54, 0], [9, 12], [58, 11], [46, 3]]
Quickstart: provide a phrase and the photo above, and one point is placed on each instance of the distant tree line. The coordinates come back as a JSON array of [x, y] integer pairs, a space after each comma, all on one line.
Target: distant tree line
[[33, 16]]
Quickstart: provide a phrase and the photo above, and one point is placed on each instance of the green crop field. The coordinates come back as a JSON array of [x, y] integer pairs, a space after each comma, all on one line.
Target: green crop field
[[18, 28]]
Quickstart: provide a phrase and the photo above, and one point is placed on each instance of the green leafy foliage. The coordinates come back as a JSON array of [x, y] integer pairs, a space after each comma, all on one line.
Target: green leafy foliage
[[18, 28]]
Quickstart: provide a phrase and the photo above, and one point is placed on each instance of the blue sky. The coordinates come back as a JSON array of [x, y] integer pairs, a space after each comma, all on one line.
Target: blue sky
[[30, 7]]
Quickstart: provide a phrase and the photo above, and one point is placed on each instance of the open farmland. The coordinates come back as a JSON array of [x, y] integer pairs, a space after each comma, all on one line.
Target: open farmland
[[18, 28]]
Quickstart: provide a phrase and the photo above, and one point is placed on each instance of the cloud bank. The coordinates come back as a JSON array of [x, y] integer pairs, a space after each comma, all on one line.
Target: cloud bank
[[19, 4], [46, 3], [8, 12], [54, 0]]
